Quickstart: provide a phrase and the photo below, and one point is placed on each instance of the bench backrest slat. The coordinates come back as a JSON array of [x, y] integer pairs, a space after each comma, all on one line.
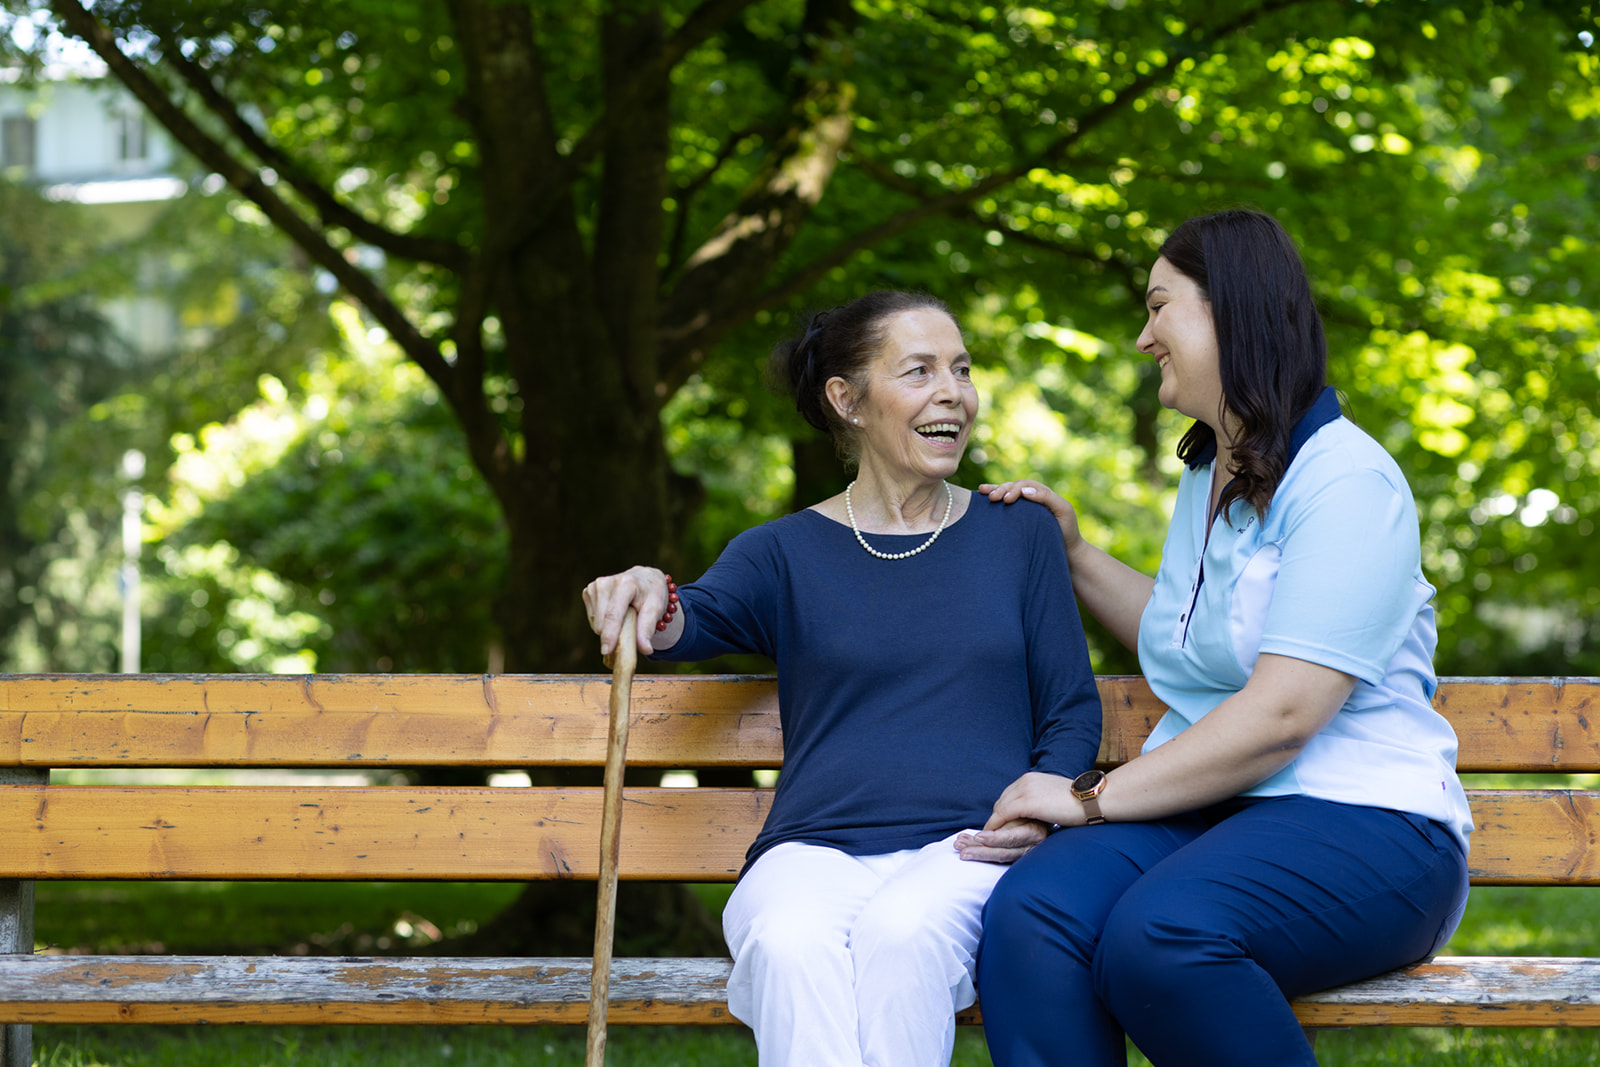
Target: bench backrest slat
[[368, 834], [378, 720], [1504, 725], [1527, 837], [1524, 724]]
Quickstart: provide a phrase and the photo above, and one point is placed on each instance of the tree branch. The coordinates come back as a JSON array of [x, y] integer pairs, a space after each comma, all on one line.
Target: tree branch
[[701, 24], [472, 307], [1115, 262], [720, 277], [329, 209], [940, 203], [685, 194], [557, 180], [212, 154], [890, 180], [717, 283]]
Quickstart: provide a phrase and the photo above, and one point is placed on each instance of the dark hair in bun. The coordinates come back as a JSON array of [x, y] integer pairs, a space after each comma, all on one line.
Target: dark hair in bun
[[840, 343]]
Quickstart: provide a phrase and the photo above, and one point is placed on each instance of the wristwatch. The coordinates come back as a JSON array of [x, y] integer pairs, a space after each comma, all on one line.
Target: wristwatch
[[1087, 787]]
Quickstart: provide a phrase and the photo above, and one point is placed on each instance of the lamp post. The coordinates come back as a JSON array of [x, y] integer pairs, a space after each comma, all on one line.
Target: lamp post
[[132, 536]]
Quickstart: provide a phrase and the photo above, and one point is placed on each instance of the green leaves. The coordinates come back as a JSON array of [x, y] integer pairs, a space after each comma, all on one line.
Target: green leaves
[[1436, 163]]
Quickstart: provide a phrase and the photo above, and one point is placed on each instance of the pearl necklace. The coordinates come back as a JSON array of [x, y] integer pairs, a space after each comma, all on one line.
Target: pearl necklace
[[949, 505]]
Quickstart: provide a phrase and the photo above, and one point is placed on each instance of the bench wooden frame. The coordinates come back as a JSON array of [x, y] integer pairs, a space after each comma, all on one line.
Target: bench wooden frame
[[1544, 836]]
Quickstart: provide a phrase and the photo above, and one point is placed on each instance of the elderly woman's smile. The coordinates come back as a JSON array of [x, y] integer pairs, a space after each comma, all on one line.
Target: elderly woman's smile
[[946, 432], [919, 403]]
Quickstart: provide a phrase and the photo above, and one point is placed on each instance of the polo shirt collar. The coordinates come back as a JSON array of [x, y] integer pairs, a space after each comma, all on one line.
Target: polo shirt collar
[[1323, 411]]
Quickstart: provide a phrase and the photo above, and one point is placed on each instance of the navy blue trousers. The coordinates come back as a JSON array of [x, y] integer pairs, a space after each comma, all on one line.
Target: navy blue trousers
[[1189, 933]]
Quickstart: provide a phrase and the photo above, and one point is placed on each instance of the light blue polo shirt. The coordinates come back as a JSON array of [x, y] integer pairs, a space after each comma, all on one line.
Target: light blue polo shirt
[[1332, 576]]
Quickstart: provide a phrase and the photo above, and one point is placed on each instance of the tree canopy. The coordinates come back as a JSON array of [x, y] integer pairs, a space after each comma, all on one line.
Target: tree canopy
[[586, 224]]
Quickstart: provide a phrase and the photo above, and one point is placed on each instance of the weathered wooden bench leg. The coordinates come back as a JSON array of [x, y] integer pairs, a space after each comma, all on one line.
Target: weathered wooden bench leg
[[16, 929]]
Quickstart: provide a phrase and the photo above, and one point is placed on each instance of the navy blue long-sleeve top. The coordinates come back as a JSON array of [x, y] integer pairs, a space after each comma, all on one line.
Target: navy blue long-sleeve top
[[911, 691]]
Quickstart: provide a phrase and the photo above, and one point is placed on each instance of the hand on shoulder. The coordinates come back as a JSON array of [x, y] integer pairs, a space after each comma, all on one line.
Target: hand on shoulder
[[1027, 489]]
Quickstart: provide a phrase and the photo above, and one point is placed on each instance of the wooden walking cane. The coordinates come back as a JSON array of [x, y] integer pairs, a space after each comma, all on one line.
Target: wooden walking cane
[[622, 663]]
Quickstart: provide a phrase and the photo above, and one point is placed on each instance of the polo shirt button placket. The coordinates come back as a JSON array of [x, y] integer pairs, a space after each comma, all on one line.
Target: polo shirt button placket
[[1180, 632]]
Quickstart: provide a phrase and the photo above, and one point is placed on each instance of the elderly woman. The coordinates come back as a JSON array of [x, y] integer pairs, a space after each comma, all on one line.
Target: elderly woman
[[1294, 821], [928, 652]]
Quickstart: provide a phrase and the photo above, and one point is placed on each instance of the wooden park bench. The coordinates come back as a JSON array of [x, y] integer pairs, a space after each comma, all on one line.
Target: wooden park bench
[[1531, 837]]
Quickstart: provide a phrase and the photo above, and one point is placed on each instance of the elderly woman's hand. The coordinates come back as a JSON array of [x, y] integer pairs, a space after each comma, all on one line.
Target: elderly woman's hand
[[1022, 818], [1002, 844], [1039, 493], [645, 589]]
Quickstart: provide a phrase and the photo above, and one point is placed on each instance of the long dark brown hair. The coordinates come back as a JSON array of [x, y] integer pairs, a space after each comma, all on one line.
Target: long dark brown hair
[[1271, 351]]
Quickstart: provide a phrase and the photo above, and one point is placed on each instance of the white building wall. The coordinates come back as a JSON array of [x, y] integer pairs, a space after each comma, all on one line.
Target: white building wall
[[77, 131], [80, 155]]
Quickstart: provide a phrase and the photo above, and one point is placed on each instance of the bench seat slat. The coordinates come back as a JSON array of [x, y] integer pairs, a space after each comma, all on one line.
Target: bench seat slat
[[391, 833], [1466, 991], [1504, 725], [316, 990], [1447, 991]]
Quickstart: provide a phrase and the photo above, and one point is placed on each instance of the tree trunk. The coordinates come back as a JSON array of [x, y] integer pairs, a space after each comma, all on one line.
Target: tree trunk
[[818, 471], [581, 341], [560, 539]]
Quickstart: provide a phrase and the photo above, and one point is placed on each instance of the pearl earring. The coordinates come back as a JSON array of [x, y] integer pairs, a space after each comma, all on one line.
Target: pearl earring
[[856, 421]]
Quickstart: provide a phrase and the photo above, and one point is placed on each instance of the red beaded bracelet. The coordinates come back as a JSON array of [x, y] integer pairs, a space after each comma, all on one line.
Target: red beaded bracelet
[[672, 604]]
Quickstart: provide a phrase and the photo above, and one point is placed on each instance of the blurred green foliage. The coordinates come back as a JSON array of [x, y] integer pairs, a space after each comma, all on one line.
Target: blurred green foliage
[[58, 358], [361, 537], [1437, 163]]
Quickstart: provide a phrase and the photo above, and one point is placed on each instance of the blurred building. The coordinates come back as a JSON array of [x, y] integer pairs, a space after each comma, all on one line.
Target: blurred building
[[90, 142]]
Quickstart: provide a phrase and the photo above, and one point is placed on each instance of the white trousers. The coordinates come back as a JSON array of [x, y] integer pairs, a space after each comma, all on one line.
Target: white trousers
[[855, 961]]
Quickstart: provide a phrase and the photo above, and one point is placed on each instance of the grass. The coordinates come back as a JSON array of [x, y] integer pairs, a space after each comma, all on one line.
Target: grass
[[364, 918], [497, 1046], [395, 1046], [383, 1046], [246, 918]]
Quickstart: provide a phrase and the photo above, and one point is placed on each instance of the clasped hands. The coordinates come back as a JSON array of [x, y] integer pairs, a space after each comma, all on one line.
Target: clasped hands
[[1023, 817]]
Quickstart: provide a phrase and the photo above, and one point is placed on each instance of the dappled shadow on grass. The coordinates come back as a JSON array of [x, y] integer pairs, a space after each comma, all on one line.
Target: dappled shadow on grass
[[558, 919], [411, 1046], [260, 918], [370, 919], [385, 1046]]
